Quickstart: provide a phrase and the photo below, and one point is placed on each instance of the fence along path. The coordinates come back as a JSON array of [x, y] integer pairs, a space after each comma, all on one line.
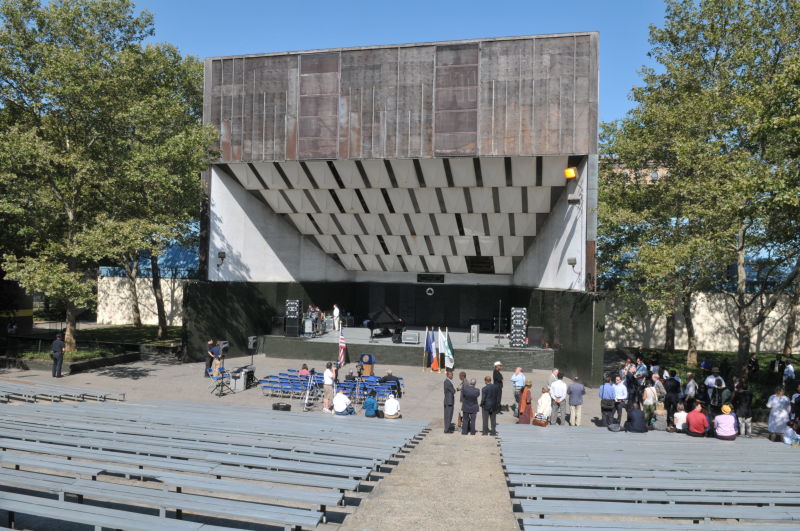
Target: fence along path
[[583, 478], [248, 465]]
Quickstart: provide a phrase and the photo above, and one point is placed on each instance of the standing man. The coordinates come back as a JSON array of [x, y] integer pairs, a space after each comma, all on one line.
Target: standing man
[[620, 397], [57, 353], [336, 321], [497, 379], [469, 409], [327, 387], [608, 401], [490, 403], [449, 401], [558, 393], [673, 391], [518, 381], [209, 357], [575, 391], [216, 358], [553, 377]]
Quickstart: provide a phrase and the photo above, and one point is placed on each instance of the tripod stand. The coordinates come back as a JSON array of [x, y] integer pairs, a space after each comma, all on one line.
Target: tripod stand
[[220, 384], [309, 384]]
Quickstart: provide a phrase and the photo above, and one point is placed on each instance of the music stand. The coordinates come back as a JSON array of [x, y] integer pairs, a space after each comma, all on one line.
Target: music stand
[[220, 384]]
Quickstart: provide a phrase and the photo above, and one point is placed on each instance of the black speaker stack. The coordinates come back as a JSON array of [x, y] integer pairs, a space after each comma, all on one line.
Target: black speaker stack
[[519, 327], [291, 327]]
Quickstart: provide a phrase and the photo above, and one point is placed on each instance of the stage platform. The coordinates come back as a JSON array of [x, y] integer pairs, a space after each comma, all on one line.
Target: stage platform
[[480, 355]]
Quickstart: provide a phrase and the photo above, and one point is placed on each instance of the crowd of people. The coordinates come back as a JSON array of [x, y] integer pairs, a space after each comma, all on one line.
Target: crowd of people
[[704, 407], [551, 405]]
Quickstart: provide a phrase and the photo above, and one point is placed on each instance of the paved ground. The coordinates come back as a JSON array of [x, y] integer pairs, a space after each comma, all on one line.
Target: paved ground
[[447, 482]]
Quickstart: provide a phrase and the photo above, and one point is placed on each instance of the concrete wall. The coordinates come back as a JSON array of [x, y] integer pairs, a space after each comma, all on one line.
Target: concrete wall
[[714, 321], [114, 301], [528, 95]]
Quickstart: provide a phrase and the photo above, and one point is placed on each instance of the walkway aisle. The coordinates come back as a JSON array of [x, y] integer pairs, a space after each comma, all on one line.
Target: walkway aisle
[[447, 482]]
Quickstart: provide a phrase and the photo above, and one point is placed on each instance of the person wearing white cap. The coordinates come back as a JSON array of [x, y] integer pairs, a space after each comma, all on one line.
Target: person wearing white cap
[[391, 408], [497, 379]]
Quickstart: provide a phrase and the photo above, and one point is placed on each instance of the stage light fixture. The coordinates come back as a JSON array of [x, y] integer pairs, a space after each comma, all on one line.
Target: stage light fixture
[[571, 173]]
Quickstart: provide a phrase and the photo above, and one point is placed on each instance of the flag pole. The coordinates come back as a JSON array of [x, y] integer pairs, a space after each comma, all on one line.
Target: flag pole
[[424, 346]]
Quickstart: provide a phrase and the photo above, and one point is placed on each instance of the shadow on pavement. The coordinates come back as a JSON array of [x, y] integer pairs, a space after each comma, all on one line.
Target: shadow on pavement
[[121, 371]]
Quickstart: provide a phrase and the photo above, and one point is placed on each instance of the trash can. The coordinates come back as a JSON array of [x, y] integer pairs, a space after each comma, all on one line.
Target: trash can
[[368, 362]]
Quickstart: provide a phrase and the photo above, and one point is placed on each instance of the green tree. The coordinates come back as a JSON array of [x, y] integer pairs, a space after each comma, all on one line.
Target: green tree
[[79, 103], [709, 114]]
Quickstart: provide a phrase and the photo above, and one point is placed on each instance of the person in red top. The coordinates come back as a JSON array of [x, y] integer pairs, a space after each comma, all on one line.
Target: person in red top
[[696, 422]]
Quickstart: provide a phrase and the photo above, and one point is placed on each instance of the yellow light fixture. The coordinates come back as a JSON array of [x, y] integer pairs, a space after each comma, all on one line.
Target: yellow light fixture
[[571, 173]]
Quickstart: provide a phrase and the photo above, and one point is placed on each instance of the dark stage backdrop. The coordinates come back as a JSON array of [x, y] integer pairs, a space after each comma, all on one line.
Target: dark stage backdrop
[[573, 322]]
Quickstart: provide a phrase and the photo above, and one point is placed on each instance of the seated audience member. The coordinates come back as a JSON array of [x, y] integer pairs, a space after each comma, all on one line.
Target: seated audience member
[[341, 404], [680, 418], [371, 405], [544, 406], [304, 371], [725, 424], [394, 380], [391, 408], [635, 422], [696, 421], [790, 435]]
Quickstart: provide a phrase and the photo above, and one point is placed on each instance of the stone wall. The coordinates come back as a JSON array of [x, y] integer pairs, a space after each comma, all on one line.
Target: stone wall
[[114, 303], [714, 321]]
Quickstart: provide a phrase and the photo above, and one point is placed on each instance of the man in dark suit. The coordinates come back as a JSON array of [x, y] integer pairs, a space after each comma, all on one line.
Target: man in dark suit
[[449, 401], [490, 403], [469, 409]]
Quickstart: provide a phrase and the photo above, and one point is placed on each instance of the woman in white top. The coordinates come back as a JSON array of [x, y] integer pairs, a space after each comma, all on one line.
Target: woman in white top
[[680, 418], [780, 407]]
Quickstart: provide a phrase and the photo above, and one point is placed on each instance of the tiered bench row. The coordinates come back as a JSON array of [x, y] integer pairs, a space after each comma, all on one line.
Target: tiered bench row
[[582, 478], [33, 390], [226, 464]]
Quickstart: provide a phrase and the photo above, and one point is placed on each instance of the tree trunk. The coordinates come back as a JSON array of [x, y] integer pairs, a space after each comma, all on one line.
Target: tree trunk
[[744, 327], [132, 273], [669, 340], [69, 335], [691, 339], [162, 315], [791, 320]]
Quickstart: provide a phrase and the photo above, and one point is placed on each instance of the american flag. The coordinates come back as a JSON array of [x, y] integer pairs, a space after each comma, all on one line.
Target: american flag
[[342, 348]]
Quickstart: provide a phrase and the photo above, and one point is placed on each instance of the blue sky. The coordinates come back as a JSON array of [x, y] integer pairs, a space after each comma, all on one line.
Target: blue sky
[[208, 28]]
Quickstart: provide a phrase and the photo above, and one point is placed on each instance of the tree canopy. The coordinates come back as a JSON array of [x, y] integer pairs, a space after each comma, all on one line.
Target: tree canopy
[[97, 131]]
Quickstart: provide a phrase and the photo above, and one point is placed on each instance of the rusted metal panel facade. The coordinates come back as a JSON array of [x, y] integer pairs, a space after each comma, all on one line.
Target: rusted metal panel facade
[[494, 97]]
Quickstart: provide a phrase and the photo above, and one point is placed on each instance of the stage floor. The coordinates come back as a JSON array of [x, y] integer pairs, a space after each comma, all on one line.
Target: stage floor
[[460, 340]]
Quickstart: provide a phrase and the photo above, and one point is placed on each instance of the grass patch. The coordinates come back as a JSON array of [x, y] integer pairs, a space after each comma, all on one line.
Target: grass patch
[[69, 357], [125, 334]]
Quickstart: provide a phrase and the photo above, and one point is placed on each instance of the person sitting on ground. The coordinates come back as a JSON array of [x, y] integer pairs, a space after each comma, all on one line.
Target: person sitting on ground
[[394, 380], [371, 405], [635, 422], [391, 408], [780, 407], [679, 419], [525, 404], [696, 421], [341, 404], [304, 371], [790, 435], [544, 406], [725, 425]]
